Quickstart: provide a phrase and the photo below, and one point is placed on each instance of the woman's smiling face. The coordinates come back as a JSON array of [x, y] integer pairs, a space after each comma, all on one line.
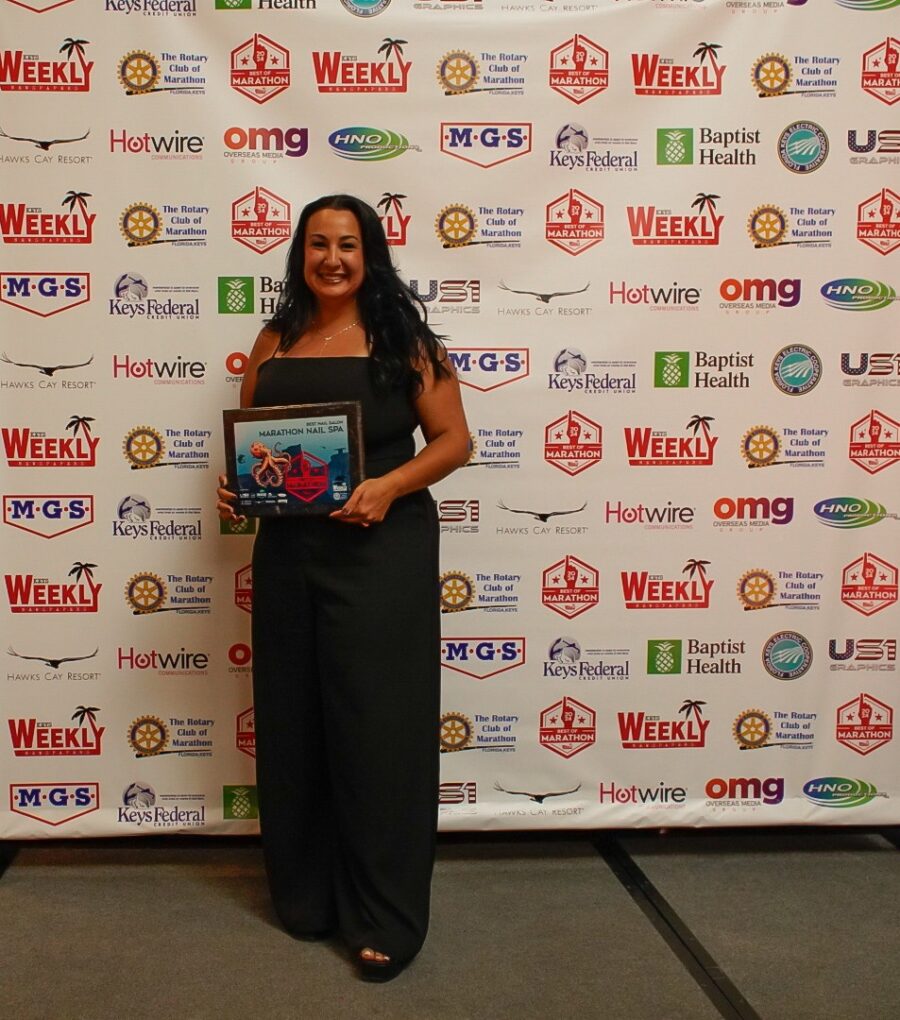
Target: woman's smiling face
[[333, 264]]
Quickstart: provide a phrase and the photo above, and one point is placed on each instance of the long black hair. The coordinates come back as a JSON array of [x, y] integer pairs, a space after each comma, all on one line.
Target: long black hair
[[394, 317]]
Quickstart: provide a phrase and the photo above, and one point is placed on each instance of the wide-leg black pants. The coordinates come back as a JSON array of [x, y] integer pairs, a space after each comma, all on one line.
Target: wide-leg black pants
[[346, 677]]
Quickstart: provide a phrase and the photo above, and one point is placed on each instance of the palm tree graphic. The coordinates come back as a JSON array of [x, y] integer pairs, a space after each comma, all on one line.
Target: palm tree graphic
[[73, 197], [695, 567], [705, 50], [74, 45], [389, 199], [80, 570], [700, 421], [88, 712], [391, 46], [79, 423], [689, 706], [703, 202]]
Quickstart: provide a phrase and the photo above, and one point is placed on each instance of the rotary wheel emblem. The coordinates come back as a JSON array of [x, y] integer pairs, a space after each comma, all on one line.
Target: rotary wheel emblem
[[148, 735], [138, 72], [457, 72], [756, 589], [456, 225], [143, 446], [140, 224], [767, 226], [771, 74], [473, 449], [456, 731], [752, 729], [760, 446], [457, 591], [145, 593]]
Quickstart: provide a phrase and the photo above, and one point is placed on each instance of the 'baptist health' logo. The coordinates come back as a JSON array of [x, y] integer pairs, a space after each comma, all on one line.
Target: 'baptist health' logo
[[674, 146]]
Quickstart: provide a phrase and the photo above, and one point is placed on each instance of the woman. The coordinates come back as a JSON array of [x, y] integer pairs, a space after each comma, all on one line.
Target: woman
[[345, 607]]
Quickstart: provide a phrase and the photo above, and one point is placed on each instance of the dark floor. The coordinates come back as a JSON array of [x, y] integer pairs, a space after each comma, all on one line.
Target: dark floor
[[776, 924]]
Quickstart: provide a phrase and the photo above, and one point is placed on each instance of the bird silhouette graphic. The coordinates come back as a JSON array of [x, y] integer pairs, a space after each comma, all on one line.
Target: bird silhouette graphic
[[44, 369], [538, 798], [53, 663], [45, 145], [543, 517], [544, 298]]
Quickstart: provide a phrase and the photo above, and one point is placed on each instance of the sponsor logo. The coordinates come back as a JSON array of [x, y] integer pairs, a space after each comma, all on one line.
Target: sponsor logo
[[573, 151], [864, 724], [32, 738], [664, 656], [239, 803], [393, 219], [579, 69], [48, 516], [570, 374], [759, 294], [481, 657], [458, 793], [565, 662], [868, 5], [762, 447], [26, 593], [646, 447], [802, 147], [171, 372], [40, 6], [657, 299], [642, 590], [485, 144], [240, 656], [573, 443], [260, 68], [874, 442], [755, 511], [54, 803], [878, 221], [873, 654], [135, 520], [459, 72], [538, 799], [168, 146], [245, 732], [670, 656], [574, 222], [492, 732], [885, 142], [869, 584], [147, 593], [54, 672], [757, 588], [675, 147], [671, 370], [243, 588], [647, 796], [153, 8], [840, 792], [744, 792], [44, 156], [367, 144], [667, 517], [263, 144], [567, 727], [570, 587], [457, 226], [452, 297], [753, 729], [365, 8], [142, 805], [141, 73], [880, 73], [132, 299], [787, 655], [45, 294], [24, 447], [21, 72], [149, 736], [339, 72], [494, 592], [495, 448], [772, 75], [261, 220], [649, 225], [459, 516], [488, 368], [850, 512], [183, 662], [142, 224], [145, 447], [855, 295], [655, 75], [796, 369], [639, 731], [543, 516], [236, 297], [881, 369], [768, 226], [545, 299], [25, 224]]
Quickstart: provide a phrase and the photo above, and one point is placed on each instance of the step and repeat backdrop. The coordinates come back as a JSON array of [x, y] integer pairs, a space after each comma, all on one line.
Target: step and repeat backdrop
[[661, 238]]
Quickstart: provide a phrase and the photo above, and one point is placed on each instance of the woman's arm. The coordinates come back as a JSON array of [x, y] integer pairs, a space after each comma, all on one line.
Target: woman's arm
[[443, 421]]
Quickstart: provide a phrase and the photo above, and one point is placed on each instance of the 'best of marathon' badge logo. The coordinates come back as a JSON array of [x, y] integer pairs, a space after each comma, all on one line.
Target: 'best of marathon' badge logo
[[260, 68], [25, 72], [27, 224], [574, 222], [570, 587], [567, 727], [261, 220], [579, 69], [875, 442], [573, 443], [342, 72], [646, 447], [651, 225], [864, 724], [869, 584], [660, 76], [33, 738], [643, 590], [880, 72], [878, 221]]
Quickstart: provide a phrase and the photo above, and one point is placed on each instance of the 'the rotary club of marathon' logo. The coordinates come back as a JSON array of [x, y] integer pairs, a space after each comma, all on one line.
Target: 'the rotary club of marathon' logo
[[457, 226], [875, 442], [245, 732], [787, 655], [768, 226], [570, 587], [802, 147], [21, 72], [573, 443], [260, 68], [21, 223], [579, 69], [864, 724], [567, 727], [141, 224], [141, 71], [340, 72], [754, 729], [756, 589], [642, 590], [143, 447], [459, 73], [880, 71], [763, 446], [148, 736], [261, 220], [147, 592], [651, 225], [878, 221], [796, 369], [869, 584], [660, 76], [574, 222], [772, 75]]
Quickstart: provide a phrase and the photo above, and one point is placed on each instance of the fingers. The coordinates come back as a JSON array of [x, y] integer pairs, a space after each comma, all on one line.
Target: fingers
[[224, 506]]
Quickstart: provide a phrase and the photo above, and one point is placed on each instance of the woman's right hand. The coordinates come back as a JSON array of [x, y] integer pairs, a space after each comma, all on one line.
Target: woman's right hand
[[226, 501]]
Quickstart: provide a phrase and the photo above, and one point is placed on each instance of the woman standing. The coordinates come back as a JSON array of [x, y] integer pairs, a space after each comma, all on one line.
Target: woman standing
[[345, 607]]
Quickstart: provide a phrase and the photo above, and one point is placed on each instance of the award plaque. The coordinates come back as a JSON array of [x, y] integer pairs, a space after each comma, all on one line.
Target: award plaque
[[293, 459]]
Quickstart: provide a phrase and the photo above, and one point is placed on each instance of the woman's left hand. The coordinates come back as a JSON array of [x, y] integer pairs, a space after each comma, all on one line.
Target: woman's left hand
[[368, 504]]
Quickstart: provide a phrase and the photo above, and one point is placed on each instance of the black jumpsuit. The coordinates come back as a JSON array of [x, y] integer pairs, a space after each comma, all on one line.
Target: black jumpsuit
[[346, 676]]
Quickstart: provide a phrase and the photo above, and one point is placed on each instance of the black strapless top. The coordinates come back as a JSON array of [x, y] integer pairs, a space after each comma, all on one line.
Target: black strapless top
[[389, 418]]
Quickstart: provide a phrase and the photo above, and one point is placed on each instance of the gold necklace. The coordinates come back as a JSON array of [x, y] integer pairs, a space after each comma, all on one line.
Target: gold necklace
[[326, 340]]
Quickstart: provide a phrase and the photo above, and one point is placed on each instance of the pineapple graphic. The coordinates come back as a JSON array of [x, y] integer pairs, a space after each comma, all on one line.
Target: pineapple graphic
[[235, 295], [672, 369], [663, 656], [675, 146], [239, 802]]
